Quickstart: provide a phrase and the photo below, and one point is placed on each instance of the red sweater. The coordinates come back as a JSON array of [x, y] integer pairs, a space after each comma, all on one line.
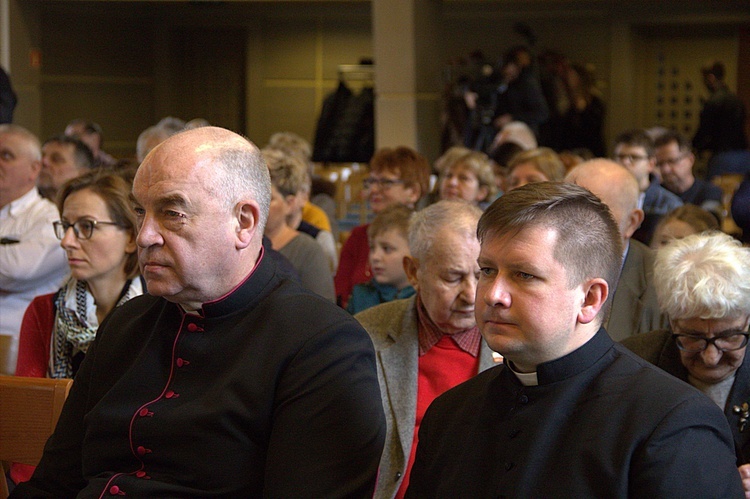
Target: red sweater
[[441, 368], [33, 356], [354, 264], [35, 337]]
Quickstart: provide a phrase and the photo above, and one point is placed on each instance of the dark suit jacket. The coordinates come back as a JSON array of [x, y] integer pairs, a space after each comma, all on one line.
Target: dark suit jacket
[[393, 329], [602, 423], [659, 348], [271, 392], [634, 306]]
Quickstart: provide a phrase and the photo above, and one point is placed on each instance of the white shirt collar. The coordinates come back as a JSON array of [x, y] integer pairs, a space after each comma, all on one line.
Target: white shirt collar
[[20, 204]]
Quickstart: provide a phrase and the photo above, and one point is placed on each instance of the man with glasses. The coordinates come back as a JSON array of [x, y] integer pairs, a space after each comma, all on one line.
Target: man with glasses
[[703, 285], [634, 150], [675, 162], [31, 260]]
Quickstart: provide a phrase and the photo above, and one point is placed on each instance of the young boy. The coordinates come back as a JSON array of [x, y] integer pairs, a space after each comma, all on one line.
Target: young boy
[[388, 246]]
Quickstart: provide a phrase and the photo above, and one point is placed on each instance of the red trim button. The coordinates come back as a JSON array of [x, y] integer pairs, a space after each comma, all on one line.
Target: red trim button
[[142, 451], [193, 327], [170, 394], [115, 491]]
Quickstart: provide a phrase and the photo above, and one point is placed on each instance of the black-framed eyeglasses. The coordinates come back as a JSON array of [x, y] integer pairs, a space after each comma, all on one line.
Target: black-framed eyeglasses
[[670, 161], [383, 183], [83, 228], [629, 158], [727, 342]]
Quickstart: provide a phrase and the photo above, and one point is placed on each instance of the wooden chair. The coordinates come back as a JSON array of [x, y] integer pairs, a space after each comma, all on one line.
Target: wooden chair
[[29, 409]]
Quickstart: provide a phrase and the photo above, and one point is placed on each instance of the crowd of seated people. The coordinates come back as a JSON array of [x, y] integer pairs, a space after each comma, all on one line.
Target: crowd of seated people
[[69, 255]]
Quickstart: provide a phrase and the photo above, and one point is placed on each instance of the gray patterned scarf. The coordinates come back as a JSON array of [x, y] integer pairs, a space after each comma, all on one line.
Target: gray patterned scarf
[[73, 329]]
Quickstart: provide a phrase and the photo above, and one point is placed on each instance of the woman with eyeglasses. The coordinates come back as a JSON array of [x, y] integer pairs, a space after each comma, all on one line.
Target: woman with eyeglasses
[[703, 286], [397, 175], [97, 230]]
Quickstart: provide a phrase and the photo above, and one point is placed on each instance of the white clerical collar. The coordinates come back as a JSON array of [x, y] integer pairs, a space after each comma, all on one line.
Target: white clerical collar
[[526, 379]]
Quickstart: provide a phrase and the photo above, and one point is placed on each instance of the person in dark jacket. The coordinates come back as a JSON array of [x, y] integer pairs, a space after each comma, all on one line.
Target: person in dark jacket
[[703, 285], [570, 413], [228, 379]]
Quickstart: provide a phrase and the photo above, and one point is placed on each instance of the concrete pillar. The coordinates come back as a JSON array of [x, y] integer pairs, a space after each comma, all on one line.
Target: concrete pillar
[[408, 61]]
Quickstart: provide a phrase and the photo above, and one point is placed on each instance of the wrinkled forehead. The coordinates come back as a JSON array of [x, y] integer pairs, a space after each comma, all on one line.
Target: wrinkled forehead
[[172, 169], [450, 245]]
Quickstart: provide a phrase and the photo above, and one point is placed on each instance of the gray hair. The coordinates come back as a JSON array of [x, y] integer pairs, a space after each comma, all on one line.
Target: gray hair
[[33, 146], [458, 216], [703, 276], [150, 138], [244, 172]]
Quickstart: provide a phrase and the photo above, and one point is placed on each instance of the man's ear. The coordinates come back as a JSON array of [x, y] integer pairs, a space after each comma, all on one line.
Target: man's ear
[[411, 266], [36, 167], [247, 214], [635, 219], [595, 292]]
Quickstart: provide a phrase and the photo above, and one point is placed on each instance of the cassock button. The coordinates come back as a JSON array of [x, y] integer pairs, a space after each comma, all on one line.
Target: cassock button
[[509, 466], [143, 412], [140, 474], [114, 490], [170, 394], [193, 327], [523, 399], [513, 433], [180, 362], [142, 451]]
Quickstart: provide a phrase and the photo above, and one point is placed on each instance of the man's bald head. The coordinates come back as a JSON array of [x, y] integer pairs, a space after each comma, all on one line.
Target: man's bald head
[[235, 165], [202, 200], [616, 187]]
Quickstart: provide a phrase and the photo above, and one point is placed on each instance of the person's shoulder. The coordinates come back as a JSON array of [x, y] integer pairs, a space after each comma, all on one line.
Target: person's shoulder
[[39, 206], [663, 196], [304, 240], [44, 299], [386, 318], [139, 303], [711, 190], [290, 300], [359, 231], [386, 310], [645, 384], [649, 345], [640, 253], [316, 216]]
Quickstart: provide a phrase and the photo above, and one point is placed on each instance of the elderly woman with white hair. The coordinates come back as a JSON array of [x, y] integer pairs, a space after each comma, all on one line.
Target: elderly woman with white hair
[[703, 285]]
